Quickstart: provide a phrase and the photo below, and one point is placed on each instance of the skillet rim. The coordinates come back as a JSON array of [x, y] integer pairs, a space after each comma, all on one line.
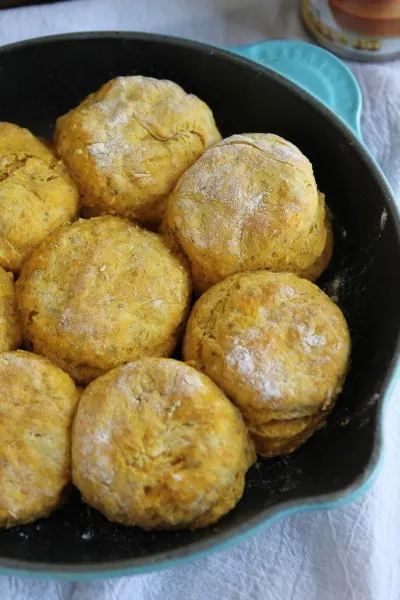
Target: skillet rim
[[253, 525]]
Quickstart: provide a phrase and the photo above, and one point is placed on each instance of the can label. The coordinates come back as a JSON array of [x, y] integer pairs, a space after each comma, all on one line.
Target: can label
[[358, 29]]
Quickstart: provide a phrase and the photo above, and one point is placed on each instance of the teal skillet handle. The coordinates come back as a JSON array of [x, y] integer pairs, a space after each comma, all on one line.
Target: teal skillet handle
[[314, 69]]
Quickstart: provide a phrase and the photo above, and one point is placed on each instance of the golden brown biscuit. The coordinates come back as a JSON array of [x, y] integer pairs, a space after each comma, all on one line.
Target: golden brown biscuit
[[250, 202], [37, 405], [128, 143], [278, 347], [157, 444], [10, 327], [101, 292], [283, 436], [37, 194]]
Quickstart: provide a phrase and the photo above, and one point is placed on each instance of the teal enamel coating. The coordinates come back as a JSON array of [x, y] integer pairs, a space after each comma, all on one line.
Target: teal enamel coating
[[314, 69]]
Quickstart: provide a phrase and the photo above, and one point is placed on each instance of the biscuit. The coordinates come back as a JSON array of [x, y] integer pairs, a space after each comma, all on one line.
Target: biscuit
[[278, 347], [37, 194], [250, 202], [127, 144], [10, 327], [101, 292], [37, 404], [158, 445]]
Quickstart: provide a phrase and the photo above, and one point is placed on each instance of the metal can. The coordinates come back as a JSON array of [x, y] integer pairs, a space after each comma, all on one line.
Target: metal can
[[366, 30]]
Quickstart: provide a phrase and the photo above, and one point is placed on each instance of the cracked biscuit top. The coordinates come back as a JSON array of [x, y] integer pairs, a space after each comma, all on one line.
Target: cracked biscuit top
[[157, 444], [127, 144], [250, 202], [37, 194]]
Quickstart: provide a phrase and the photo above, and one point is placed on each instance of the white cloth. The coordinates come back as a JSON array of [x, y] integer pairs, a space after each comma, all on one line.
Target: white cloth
[[343, 554]]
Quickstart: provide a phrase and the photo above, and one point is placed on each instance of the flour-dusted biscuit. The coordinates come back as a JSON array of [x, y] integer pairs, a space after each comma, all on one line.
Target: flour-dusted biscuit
[[278, 347], [101, 292], [127, 144], [158, 445], [37, 405], [250, 202], [37, 195]]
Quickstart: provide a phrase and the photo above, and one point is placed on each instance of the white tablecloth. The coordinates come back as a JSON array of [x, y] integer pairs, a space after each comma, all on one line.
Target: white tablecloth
[[342, 554]]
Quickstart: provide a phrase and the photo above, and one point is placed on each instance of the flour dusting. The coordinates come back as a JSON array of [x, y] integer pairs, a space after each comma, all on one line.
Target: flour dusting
[[103, 436], [373, 400], [114, 113], [334, 288], [105, 153], [286, 291], [23, 535], [310, 339], [253, 369], [254, 202], [124, 384], [314, 340], [383, 219]]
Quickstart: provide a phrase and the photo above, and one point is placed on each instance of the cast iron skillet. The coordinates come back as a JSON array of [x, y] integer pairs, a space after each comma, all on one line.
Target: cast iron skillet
[[41, 79]]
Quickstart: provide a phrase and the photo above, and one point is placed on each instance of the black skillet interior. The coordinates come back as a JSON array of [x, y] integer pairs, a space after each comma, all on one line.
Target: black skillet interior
[[43, 79]]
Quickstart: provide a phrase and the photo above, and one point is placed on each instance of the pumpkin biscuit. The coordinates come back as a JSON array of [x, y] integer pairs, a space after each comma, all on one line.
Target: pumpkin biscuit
[[127, 144], [278, 347], [37, 194], [101, 292], [37, 405], [250, 202], [158, 445]]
